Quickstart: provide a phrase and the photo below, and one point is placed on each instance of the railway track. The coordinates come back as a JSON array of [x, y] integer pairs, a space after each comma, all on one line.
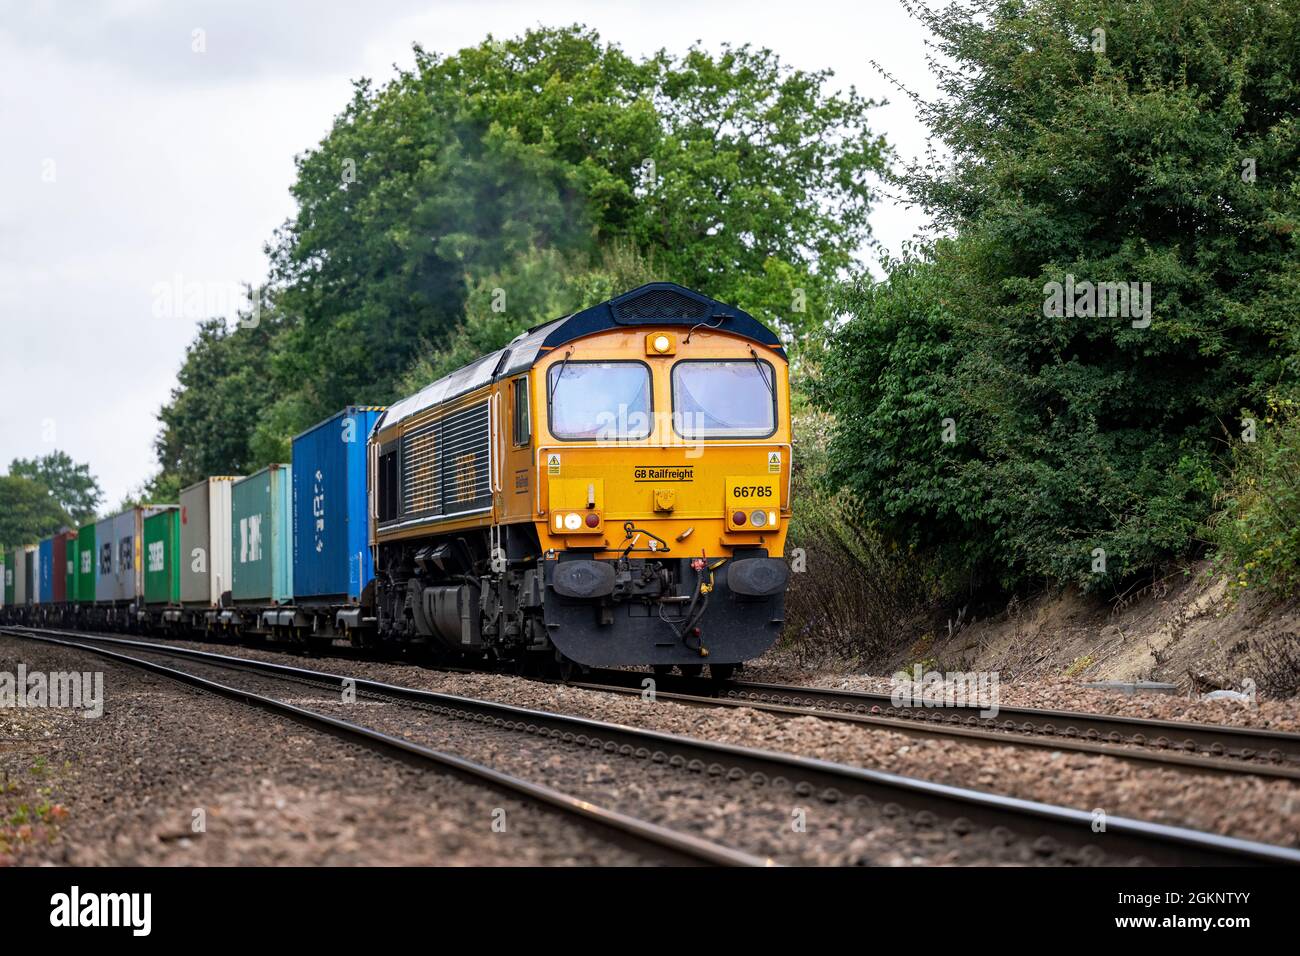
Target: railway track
[[1054, 832], [1201, 747], [655, 842]]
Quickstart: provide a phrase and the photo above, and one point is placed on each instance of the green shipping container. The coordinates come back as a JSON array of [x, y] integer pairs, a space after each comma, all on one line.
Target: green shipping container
[[261, 537], [86, 564], [162, 545]]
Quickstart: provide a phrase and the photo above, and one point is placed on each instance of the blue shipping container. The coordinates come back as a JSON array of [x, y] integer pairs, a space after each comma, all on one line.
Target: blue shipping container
[[46, 588], [332, 562]]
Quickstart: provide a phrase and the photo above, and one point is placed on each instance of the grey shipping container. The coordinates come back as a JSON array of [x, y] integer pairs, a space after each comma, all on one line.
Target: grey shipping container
[[205, 542], [119, 572], [105, 561]]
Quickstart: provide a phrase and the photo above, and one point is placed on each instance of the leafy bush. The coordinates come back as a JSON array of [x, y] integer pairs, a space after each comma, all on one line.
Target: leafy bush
[[1023, 446], [1257, 532]]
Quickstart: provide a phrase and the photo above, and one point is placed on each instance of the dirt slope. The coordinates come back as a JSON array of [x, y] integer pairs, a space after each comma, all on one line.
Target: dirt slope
[[1182, 629]]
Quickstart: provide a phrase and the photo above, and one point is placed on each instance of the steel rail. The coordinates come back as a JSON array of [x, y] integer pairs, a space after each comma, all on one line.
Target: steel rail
[[1240, 743], [1051, 828], [650, 839], [1268, 752], [979, 735]]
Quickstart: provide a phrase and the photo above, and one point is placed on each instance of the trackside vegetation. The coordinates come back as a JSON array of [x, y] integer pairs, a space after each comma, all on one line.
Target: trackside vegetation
[[1018, 439]]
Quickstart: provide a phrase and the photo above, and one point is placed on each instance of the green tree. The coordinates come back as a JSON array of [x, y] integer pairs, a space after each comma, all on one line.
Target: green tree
[[224, 389], [738, 175], [543, 285], [73, 486], [532, 166], [1147, 141], [29, 511]]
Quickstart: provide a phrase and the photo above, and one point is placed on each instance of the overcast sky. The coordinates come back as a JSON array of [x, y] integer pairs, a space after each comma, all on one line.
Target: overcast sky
[[130, 164]]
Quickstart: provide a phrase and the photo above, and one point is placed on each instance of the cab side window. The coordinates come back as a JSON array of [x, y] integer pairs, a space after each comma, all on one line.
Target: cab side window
[[522, 429]]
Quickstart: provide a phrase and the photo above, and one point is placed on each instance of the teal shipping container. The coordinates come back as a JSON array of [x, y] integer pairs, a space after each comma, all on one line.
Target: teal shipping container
[[261, 537]]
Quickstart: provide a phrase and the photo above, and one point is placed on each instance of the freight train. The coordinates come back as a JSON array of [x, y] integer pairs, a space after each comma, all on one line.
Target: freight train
[[611, 488]]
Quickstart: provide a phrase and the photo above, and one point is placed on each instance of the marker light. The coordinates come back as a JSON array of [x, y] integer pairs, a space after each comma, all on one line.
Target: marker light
[[758, 519], [593, 519], [572, 522], [738, 518], [660, 343]]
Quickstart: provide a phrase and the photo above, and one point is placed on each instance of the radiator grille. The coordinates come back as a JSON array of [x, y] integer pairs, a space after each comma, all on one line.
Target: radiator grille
[[447, 465], [421, 484]]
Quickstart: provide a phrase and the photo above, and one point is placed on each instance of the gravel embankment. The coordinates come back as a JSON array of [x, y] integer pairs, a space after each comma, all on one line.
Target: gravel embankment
[[122, 789], [1246, 806], [769, 823], [1070, 695]]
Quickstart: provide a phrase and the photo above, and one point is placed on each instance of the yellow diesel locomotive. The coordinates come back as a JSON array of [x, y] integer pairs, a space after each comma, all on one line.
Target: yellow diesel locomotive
[[611, 488]]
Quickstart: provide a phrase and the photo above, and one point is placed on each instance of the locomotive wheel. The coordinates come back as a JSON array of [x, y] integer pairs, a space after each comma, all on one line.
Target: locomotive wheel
[[721, 672], [661, 670], [691, 670]]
